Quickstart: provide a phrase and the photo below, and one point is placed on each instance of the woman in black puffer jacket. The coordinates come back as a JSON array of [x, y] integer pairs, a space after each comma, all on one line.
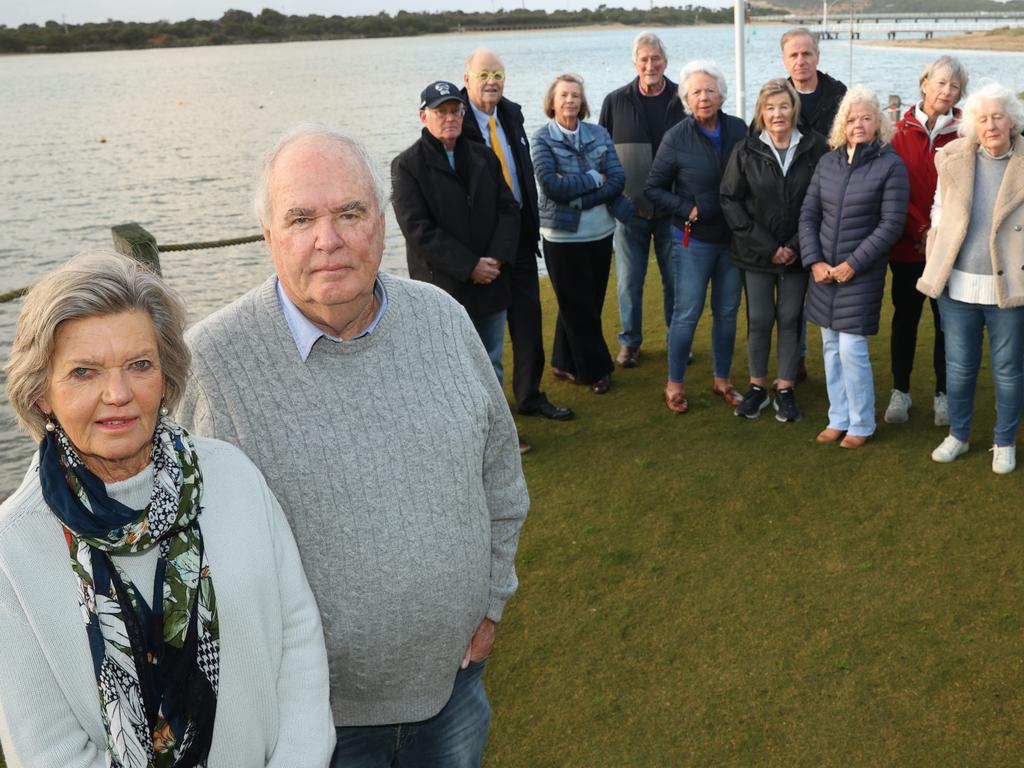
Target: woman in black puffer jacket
[[853, 213], [762, 189]]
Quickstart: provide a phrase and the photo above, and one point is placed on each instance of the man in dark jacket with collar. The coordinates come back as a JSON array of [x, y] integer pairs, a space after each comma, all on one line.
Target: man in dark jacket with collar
[[637, 115], [459, 218], [485, 102], [820, 94]]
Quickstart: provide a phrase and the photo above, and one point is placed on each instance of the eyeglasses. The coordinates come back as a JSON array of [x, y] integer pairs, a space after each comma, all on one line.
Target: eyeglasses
[[483, 76], [446, 113]]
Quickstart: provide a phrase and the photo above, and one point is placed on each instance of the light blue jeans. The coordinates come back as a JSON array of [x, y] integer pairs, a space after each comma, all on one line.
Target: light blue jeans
[[964, 325], [693, 268], [454, 738], [491, 329], [632, 255], [850, 383]]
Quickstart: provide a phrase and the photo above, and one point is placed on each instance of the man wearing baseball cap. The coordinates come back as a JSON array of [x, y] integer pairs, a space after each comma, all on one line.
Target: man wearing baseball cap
[[459, 217]]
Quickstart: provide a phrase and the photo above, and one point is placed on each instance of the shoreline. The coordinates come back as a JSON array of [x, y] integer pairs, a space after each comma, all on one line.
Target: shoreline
[[1000, 42]]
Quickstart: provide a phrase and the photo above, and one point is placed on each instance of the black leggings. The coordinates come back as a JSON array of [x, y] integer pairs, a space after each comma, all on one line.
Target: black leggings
[[907, 303]]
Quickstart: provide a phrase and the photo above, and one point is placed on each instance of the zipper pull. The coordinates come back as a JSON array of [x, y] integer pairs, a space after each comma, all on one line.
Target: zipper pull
[[686, 235]]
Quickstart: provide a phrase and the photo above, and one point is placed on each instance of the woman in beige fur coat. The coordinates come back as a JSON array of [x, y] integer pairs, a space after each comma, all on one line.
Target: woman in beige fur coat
[[975, 266]]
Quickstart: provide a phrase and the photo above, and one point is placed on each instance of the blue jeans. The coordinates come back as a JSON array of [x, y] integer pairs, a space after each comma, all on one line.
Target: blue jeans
[[850, 383], [632, 254], [454, 738], [964, 324], [491, 329], [693, 268]]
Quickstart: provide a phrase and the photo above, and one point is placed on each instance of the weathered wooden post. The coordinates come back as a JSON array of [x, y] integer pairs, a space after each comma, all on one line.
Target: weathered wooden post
[[132, 240]]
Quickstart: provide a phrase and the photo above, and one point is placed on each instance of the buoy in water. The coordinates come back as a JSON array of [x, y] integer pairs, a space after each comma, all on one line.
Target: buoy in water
[[102, 139]]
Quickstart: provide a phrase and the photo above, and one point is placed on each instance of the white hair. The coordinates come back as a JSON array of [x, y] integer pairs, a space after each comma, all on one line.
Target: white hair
[[991, 91], [701, 67], [648, 40], [352, 147]]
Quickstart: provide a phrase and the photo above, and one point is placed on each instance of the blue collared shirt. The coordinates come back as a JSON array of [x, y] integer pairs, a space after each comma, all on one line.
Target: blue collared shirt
[[306, 334], [483, 120]]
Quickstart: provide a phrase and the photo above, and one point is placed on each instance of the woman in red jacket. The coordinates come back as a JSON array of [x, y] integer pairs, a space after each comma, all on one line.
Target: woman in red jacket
[[926, 126]]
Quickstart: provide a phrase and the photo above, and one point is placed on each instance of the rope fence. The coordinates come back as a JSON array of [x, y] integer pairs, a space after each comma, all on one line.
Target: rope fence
[[132, 240]]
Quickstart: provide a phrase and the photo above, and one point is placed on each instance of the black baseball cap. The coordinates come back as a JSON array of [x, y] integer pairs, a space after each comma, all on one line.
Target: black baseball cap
[[438, 93]]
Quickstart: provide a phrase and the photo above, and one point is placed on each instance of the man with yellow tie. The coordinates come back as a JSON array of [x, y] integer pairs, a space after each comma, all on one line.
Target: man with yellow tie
[[497, 122]]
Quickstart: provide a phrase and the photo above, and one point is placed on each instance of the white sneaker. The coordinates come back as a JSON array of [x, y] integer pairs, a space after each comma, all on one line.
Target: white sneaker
[[948, 450], [1004, 459], [941, 408], [899, 405]]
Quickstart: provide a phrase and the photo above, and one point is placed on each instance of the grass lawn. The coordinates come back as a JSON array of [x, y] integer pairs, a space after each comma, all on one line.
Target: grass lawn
[[709, 591], [712, 591]]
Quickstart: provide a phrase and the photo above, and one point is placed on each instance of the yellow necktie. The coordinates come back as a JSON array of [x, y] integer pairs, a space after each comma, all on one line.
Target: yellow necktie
[[496, 146]]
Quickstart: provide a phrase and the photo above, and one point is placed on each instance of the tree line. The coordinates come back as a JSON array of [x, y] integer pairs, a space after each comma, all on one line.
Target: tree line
[[270, 26]]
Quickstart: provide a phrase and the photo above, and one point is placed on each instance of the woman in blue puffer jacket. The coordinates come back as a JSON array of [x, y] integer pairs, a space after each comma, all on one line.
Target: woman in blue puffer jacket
[[853, 214], [580, 184]]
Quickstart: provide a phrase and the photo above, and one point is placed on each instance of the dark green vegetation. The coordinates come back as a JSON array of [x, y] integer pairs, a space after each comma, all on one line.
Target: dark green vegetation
[[270, 26], [710, 591], [704, 590]]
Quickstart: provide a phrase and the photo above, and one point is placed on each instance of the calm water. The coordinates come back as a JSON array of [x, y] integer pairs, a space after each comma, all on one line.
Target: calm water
[[184, 128]]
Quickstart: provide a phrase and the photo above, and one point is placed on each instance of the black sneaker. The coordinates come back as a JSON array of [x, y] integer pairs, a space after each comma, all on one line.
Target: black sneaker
[[785, 406], [755, 401]]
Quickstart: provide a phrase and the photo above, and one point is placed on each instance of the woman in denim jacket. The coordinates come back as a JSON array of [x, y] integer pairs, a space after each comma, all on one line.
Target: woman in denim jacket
[[581, 182]]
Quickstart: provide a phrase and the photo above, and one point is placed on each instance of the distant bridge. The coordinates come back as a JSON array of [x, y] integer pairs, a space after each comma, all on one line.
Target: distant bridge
[[893, 24]]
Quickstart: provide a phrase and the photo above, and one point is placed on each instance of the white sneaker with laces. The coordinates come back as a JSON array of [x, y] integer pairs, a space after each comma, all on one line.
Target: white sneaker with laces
[[1004, 459], [948, 450], [899, 406], [941, 408]]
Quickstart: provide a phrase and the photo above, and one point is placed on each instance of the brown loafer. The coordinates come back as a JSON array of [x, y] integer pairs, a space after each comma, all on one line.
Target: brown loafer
[[853, 442], [524, 447], [730, 394], [676, 402], [628, 357], [561, 375], [602, 385], [829, 435]]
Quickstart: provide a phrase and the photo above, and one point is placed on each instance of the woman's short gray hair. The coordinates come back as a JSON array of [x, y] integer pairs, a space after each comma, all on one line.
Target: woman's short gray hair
[[991, 91], [353, 147], [701, 67], [950, 64], [92, 284], [859, 94]]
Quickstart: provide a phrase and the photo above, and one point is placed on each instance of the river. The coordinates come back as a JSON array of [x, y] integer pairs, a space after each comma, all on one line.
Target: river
[[170, 138]]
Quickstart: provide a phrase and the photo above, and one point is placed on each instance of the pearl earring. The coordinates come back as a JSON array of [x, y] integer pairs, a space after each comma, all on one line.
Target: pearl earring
[[164, 410], [50, 426]]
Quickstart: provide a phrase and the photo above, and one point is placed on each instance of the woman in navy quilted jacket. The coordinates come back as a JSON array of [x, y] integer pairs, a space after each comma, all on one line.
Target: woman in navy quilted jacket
[[580, 182], [853, 213]]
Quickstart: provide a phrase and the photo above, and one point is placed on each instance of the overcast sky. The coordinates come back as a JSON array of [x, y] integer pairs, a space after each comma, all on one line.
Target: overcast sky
[[15, 12]]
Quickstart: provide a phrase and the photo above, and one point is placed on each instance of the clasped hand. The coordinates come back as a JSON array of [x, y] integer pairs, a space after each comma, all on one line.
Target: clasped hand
[[486, 271], [840, 273]]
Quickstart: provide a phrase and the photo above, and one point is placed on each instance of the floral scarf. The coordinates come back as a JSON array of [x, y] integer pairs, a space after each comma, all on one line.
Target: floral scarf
[[157, 667]]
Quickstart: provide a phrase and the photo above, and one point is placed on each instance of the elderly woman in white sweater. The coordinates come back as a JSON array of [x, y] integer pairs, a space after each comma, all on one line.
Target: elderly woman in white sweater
[[153, 609], [973, 267]]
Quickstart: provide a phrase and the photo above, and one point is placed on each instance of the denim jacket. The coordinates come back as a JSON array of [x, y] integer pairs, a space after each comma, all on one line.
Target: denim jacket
[[566, 185]]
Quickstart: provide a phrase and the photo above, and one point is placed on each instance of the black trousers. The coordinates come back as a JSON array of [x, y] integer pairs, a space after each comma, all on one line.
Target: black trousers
[[525, 330], [907, 303], [579, 276]]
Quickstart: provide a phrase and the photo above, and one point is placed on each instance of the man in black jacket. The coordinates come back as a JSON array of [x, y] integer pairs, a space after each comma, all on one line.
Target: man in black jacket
[[484, 93], [637, 115], [820, 94], [460, 221]]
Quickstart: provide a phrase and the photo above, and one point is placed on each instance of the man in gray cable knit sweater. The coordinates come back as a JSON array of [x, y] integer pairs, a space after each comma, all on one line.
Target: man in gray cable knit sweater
[[372, 409]]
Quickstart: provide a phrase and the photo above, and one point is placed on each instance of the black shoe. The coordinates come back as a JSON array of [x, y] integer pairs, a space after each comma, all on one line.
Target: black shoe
[[548, 410], [785, 406], [755, 401]]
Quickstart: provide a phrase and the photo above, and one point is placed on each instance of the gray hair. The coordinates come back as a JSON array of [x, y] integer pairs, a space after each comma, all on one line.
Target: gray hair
[[859, 94], [991, 91], [799, 32], [648, 40], [701, 67], [92, 284], [951, 64], [349, 145]]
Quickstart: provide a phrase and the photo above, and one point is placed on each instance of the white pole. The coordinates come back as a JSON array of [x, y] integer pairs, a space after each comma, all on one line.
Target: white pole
[[741, 67]]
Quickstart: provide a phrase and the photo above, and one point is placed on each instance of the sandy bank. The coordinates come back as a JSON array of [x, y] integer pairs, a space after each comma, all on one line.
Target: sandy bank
[[979, 41]]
